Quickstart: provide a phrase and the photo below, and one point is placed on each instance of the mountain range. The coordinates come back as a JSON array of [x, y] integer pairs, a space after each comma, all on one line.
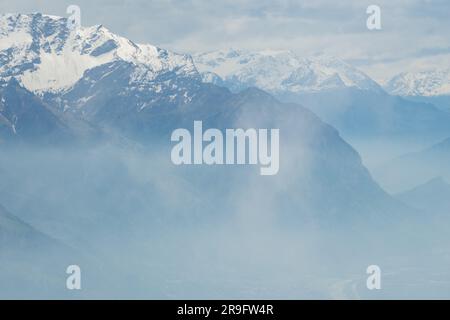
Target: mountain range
[[340, 94], [432, 86], [426, 164], [85, 124], [280, 72], [46, 56], [42, 57], [113, 87], [77, 72], [426, 83], [431, 197]]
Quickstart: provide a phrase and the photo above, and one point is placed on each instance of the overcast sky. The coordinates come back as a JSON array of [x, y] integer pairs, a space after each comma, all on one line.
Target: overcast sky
[[415, 34]]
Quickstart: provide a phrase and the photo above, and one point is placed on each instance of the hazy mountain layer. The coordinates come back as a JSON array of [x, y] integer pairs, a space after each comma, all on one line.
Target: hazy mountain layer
[[412, 169]]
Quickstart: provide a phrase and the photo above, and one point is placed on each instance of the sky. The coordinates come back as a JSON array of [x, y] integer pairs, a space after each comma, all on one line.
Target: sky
[[414, 35]]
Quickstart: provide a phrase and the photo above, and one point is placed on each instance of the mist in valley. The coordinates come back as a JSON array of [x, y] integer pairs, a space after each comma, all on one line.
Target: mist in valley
[[141, 227]]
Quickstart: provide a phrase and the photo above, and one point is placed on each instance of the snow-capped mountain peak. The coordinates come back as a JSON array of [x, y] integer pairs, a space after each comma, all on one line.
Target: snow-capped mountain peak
[[280, 71], [46, 56], [425, 83]]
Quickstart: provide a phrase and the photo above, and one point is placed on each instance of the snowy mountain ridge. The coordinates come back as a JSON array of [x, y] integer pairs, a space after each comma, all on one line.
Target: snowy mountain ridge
[[46, 56], [280, 71], [425, 83]]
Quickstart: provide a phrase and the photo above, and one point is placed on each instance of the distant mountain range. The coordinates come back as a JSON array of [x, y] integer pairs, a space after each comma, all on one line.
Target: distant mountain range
[[396, 175], [45, 56], [92, 74], [85, 124], [432, 197], [280, 72], [89, 84], [425, 83], [339, 93], [116, 88], [431, 87]]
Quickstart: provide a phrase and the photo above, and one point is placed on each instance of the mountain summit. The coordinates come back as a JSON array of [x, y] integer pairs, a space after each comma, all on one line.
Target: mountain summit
[[46, 56]]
